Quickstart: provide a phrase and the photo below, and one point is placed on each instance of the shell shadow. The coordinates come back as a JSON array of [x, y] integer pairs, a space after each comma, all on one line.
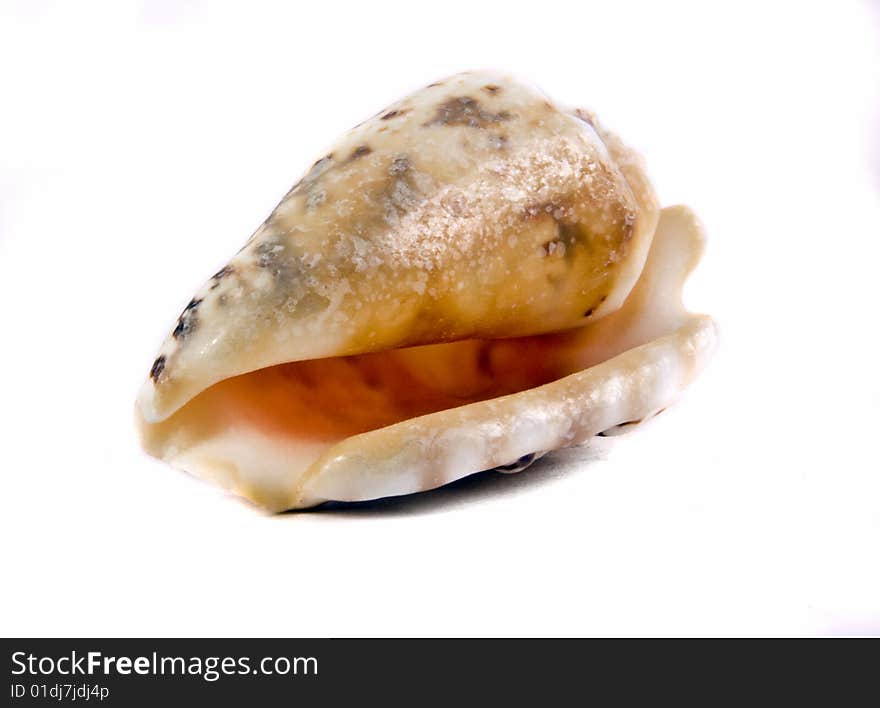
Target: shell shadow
[[471, 489]]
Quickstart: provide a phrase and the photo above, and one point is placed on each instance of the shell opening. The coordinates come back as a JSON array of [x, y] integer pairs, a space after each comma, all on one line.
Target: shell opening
[[300, 409]]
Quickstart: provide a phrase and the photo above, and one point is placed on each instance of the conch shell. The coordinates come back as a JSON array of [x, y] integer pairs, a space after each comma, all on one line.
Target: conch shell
[[470, 278]]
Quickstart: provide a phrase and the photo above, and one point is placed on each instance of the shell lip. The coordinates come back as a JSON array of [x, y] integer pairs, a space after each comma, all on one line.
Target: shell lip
[[146, 403]]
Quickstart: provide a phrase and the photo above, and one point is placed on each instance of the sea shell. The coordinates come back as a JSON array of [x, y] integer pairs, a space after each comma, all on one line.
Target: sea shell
[[470, 278]]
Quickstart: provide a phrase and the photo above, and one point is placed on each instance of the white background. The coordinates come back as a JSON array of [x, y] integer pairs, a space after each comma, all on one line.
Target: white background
[[141, 144]]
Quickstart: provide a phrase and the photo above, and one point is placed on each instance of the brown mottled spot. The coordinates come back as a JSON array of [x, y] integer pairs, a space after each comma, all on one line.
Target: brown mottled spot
[[569, 231], [400, 197], [220, 274], [188, 321], [395, 114], [223, 272], [436, 83], [359, 152], [311, 177], [315, 199], [399, 165], [491, 88], [157, 368], [269, 257], [464, 110]]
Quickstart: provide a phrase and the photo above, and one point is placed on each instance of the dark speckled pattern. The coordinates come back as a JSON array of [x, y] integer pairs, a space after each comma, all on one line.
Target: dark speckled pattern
[[464, 110]]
